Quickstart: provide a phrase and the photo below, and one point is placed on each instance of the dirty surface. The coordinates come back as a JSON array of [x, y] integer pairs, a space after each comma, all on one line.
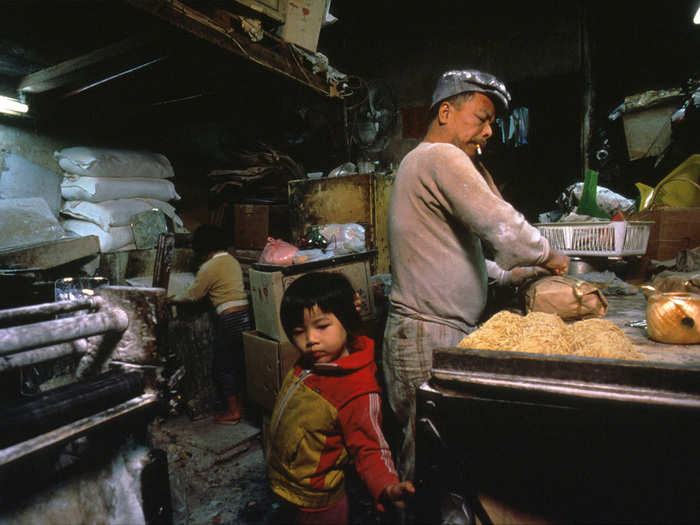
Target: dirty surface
[[623, 310], [217, 475]]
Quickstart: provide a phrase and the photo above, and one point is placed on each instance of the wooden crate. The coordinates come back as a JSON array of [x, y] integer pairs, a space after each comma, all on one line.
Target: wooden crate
[[674, 229], [254, 223], [648, 131]]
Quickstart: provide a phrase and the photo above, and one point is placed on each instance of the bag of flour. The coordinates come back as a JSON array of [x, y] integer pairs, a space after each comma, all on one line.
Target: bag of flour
[[107, 162], [566, 296], [110, 241], [116, 212], [96, 189]]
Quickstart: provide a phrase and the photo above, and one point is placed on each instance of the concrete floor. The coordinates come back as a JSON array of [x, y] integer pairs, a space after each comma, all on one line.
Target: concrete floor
[[217, 472], [217, 475]]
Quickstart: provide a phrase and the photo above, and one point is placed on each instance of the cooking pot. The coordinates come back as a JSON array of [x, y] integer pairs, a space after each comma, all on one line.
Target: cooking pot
[[579, 267], [674, 317]]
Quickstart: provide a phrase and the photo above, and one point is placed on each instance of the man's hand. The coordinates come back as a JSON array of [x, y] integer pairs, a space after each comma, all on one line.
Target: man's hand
[[557, 262], [520, 274], [396, 493]]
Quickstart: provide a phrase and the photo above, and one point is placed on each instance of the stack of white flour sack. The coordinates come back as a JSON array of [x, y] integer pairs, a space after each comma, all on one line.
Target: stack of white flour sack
[[103, 189]]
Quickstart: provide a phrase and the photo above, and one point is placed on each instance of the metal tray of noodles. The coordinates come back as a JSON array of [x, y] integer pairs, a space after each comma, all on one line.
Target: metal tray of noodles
[[567, 379], [521, 437]]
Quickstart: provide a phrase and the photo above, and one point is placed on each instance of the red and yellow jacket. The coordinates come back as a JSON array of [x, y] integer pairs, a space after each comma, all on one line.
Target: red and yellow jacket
[[323, 418]]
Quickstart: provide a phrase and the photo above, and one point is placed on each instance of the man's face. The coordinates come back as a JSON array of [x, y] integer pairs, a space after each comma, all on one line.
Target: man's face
[[470, 123]]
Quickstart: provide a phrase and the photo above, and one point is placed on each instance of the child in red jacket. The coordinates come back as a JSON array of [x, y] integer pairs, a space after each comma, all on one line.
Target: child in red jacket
[[328, 411]]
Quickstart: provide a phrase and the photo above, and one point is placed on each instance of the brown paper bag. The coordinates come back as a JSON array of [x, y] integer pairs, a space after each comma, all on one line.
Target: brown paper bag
[[566, 296]]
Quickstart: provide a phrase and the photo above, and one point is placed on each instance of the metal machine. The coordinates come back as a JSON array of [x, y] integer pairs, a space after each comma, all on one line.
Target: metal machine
[[509, 437], [76, 450]]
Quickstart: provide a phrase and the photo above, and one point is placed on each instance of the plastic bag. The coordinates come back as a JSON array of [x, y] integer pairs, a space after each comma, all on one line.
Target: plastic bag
[[607, 200], [315, 254], [278, 252], [348, 168], [21, 179], [27, 221], [344, 238], [679, 189]]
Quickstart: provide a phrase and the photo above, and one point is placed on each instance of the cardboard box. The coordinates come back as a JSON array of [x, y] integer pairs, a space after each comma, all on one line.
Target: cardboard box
[[303, 22], [268, 285], [275, 9], [674, 229], [648, 131], [254, 223], [267, 363]]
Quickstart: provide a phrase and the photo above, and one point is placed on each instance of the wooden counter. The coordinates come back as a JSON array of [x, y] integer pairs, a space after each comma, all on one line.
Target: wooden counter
[[623, 310]]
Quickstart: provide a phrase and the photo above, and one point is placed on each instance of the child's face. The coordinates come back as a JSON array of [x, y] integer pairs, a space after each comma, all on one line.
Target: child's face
[[322, 337]]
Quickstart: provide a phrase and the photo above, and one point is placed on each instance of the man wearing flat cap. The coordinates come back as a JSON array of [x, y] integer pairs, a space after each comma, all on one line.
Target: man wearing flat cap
[[442, 209]]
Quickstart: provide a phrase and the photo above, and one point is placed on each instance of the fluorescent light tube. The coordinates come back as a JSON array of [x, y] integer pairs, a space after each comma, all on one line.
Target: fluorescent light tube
[[12, 106]]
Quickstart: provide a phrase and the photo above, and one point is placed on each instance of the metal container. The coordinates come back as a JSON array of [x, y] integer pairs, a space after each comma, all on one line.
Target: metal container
[[674, 317], [579, 267], [558, 438]]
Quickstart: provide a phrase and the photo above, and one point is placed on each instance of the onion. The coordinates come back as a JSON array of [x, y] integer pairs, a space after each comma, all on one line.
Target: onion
[[674, 317]]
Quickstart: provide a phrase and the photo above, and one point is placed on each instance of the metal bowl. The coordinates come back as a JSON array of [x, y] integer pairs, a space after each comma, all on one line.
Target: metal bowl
[[579, 267]]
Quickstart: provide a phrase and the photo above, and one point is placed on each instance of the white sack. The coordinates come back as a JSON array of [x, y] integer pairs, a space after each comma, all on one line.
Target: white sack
[[21, 178], [27, 221], [95, 189], [110, 241], [105, 162], [115, 212]]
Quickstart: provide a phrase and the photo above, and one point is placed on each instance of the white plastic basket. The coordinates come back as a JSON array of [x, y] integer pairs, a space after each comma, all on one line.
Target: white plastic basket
[[604, 238]]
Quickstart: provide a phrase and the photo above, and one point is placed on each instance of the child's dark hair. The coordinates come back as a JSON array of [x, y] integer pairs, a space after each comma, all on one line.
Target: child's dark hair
[[208, 238], [331, 292]]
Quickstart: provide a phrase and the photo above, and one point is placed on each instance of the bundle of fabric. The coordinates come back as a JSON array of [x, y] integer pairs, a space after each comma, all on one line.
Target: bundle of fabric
[[543, 333], [105, 188], [265, 174]]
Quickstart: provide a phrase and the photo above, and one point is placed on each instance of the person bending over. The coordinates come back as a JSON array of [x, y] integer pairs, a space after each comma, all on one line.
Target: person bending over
[[220, 278]]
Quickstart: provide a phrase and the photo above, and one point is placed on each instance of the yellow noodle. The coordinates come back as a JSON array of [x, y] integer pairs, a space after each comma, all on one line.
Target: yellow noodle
[[544, 333], [601, 338], [498, 333]]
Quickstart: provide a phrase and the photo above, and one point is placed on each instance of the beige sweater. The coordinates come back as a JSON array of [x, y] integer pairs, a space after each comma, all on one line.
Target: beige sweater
[[441, 210], [220, 278]]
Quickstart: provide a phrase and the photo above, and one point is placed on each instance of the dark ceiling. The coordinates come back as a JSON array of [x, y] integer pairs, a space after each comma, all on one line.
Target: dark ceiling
[[122, 61], [157, 65]]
